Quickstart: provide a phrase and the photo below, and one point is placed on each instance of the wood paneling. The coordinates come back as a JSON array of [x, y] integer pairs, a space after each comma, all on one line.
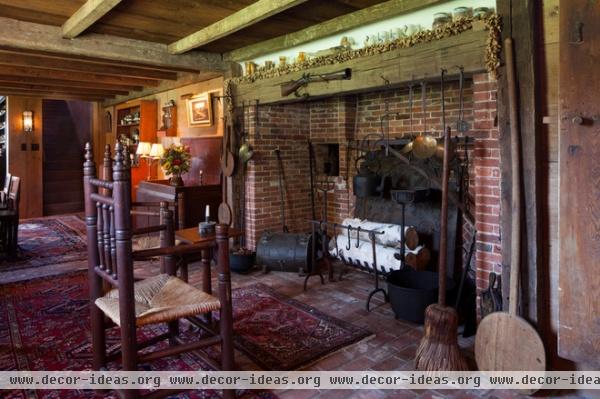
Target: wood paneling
[[579, 300], [23, 161]]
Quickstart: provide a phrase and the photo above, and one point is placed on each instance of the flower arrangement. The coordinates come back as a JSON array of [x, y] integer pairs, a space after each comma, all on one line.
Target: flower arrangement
[[175, 161]]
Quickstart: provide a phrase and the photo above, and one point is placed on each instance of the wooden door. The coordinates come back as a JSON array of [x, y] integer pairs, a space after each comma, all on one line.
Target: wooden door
[[579, 279]]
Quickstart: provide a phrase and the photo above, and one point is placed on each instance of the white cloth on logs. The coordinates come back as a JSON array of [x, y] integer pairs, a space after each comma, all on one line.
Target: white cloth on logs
[[391, 237]]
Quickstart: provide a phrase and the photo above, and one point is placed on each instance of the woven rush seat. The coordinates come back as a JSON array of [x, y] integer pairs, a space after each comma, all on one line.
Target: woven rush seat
[[160, 299]]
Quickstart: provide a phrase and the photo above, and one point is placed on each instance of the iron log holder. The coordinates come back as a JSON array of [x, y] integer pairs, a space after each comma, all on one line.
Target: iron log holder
[[322, 226]]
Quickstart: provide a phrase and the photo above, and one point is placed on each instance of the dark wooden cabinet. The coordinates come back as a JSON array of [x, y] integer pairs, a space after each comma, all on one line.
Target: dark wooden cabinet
[[191, 201]]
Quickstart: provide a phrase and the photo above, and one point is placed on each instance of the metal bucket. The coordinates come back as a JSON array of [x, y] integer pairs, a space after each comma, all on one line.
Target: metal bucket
[[284, 252]]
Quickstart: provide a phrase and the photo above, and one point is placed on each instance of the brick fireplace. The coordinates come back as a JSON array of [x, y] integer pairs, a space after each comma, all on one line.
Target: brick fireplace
[[331, 121]]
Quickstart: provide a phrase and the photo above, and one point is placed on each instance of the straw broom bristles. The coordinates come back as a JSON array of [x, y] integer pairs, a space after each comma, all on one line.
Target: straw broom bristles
[[439, 350]]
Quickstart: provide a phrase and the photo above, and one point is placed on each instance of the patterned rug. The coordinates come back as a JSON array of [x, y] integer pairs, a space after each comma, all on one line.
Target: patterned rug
[[44, 325], [280, 333], [48, 241]]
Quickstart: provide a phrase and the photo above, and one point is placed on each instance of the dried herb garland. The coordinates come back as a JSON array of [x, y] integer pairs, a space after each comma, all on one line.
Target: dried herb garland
[[492, 54]]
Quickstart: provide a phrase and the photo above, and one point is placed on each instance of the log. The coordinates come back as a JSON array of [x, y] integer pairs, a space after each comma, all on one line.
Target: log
[[418, 258]]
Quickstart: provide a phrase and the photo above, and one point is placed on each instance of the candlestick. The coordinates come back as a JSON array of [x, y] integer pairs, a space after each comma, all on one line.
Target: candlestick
[[207, 213]]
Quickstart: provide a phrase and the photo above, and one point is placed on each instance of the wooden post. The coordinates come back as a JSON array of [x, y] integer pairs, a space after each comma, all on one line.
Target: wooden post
[[122, 205], [519, 18], [97, 317]]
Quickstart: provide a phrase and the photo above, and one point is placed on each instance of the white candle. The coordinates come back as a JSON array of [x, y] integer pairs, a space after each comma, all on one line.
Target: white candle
[[207, 214]]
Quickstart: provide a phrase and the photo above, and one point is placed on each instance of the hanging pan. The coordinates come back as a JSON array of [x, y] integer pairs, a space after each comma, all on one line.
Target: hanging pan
[[246, 152], [424, 146]]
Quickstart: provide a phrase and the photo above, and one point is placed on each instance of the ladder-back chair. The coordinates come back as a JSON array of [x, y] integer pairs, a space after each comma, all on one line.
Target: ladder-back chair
[[9, 217], [159, 299]]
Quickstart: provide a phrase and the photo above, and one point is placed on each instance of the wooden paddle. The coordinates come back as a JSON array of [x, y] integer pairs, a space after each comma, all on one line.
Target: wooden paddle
[[224, 214], [505, 341], [227, 158]]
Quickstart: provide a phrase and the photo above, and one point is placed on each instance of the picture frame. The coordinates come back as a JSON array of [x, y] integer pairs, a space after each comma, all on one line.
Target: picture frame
[[199, 110]]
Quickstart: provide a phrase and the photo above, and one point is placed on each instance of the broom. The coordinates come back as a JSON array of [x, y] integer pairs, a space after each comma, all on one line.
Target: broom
[[438, 350]]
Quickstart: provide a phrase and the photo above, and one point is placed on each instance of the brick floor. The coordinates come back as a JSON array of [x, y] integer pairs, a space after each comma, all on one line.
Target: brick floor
[[391, 348]]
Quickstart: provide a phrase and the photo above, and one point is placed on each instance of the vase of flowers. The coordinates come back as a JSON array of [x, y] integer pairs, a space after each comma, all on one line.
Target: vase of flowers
[[175, 161]]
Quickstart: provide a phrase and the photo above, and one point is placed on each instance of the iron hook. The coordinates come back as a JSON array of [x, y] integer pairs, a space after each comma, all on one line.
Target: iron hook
[[349, 245]]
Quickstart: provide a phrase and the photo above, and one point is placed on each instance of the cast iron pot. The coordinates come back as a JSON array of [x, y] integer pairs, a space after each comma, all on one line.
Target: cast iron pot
[[411, 291], [241, 263]]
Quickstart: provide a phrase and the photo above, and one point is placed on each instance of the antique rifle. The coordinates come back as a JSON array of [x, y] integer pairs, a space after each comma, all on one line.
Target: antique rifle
[[294, 85]]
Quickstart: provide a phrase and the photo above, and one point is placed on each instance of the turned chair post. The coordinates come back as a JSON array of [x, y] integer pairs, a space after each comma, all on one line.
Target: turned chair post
[[224, 278], [123, 232], [167, 239], [226, 315], [95, 281]]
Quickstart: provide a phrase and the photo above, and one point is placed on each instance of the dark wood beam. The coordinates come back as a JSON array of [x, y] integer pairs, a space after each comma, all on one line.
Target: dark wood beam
[[250, 15], [52, 95], [164, 86], [103, 61], [333, 26], [39, 87], [77, 76], [27, 60], [86, 16], [46, 93], [69, 83], [37, 37]]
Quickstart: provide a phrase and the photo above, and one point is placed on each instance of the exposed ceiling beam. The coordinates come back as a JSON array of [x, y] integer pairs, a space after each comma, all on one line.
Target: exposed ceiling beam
[[333, 26], [40, 87], [52, 95], [27, 60], [37, 37], [56, 92], [164, 86], [86, 16], [241, 19], [68, 83], [102, 61], [34, 73]]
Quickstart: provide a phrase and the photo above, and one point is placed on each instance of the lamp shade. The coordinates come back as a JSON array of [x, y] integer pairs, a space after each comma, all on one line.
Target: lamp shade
[[143, 149], [157, 150]]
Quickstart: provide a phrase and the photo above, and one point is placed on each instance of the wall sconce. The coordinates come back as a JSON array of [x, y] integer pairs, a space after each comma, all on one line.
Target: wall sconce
[[28, 121]]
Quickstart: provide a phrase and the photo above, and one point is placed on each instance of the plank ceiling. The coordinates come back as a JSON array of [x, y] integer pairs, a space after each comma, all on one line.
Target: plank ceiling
[[165, 21], [156, 21]]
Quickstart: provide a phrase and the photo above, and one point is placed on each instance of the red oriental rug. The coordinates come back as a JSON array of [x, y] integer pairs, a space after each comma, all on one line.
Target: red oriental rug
[[44, 325], [48, 241]]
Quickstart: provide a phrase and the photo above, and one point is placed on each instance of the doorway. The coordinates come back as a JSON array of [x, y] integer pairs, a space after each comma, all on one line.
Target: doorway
[[66, 129]]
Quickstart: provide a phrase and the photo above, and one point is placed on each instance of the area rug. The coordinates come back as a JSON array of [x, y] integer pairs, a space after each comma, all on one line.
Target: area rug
[[44, 325], [48, 241], [280, 333]]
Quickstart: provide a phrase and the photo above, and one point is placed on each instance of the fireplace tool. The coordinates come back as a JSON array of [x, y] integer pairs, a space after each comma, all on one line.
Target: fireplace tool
[[324, 186], [403, 198]]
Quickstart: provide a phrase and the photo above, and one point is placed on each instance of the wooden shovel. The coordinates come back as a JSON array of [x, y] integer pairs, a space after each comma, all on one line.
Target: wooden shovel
[[505, 341], [224, 214]]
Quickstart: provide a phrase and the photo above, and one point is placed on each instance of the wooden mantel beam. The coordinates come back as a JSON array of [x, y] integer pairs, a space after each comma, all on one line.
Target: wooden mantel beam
[[379, 71], [15, 34], [86, 16], [391, 8], [241, 19]]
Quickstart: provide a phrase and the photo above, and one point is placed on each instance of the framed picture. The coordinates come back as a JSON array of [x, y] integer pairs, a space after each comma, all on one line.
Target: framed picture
[[199, 110]]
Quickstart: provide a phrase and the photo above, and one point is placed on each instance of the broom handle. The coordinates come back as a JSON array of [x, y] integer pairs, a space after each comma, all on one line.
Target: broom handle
[[515, 237], [444, 221]]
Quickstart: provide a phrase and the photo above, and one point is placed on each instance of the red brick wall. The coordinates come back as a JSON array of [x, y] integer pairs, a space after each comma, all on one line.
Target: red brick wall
[[487, 179], [332, 120]]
